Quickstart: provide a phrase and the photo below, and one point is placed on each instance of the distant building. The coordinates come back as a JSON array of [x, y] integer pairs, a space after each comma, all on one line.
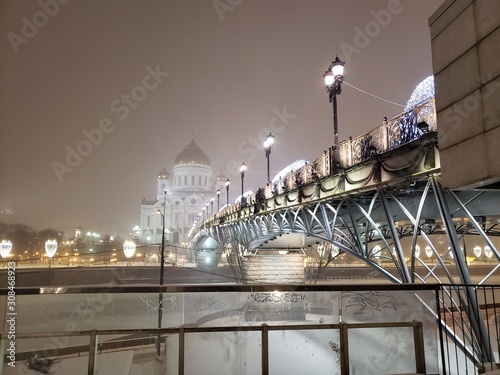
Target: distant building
[[188, 191]]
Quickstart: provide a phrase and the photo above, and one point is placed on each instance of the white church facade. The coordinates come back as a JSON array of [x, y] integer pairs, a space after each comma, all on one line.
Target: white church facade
[[181, 197]]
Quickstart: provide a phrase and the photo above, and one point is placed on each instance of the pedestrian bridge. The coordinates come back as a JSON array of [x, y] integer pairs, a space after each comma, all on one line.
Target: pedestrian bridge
[[377, 200]]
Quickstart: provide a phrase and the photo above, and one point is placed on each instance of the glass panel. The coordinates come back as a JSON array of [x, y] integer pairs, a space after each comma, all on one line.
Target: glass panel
[[77, 312], [386, 306], [255, 308], [54, 355], [130, 354], [314, 352], [219, 353]]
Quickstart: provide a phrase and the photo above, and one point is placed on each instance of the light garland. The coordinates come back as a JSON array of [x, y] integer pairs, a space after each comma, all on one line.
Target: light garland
[[423, 92]]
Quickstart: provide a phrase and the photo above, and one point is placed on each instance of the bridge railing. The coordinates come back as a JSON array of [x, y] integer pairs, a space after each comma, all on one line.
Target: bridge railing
[[392, 133]]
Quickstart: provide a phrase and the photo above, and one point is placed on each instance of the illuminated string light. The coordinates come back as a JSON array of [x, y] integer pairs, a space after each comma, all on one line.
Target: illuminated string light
[[423, 92]]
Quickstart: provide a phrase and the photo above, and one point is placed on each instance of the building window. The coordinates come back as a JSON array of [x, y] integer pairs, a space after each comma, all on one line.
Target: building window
[[148, 219], [185, 180]]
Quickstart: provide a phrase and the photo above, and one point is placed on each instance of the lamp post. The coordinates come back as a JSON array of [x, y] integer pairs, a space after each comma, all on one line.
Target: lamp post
[[334, 77], [5, 248], [212, 205], [243, 169], [218, 200], [227, 183], [162, 269], [50, 249], [268, 145], [203, 209]]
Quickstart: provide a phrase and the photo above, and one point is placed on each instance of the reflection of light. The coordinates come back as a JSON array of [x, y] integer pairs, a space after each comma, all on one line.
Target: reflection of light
[[477, 251], [428, 251], [488, 252], [376, 251], [417, 251], [207, 260]]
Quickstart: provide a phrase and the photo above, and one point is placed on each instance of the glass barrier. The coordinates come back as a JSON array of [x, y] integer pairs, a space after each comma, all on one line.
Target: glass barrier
[[292, 331]]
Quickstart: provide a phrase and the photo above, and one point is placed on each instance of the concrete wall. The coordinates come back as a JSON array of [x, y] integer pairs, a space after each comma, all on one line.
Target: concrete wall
[[465, 38]]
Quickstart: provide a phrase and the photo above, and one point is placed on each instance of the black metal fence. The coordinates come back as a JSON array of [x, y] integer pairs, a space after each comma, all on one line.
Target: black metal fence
[[470, 325]]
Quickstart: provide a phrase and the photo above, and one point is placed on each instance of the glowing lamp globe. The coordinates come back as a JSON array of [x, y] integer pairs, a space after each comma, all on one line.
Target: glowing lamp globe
[[50, 248], [329, 79], [5, 248], [477, 251], [428, 251], [129, 249], [338, 68], [243, 168]]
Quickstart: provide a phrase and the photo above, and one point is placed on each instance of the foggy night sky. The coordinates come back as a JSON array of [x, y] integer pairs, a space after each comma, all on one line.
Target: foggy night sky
[[227, 78]]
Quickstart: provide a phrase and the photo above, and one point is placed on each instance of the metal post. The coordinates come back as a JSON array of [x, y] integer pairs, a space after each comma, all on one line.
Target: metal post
[[242, 197], [162, 269], [265, 349], [344, 349], [92, 353], [335, 123], [181, 351], [268, 154], [418, 342]]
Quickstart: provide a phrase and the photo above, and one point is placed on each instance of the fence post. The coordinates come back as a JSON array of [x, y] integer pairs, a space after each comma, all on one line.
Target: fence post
[[344, 349], [265, 349], [92, 353], [418, 340], [181, 351]]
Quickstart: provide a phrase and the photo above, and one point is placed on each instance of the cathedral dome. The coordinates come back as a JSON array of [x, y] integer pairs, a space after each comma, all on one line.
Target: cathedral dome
[[192, 154], [163, 175]]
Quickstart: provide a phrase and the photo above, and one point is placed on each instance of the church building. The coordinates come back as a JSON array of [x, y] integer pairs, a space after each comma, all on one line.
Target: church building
[[182, 197]]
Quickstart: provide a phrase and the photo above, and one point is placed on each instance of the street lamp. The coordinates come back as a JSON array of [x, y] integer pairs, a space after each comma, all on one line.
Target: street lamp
[[212, 205], [129, 249], [162, 269], [218, 200], [203, 210], [243, 169], [50, 249], [227, 183], [268, 145], [334, 77], [5, 248]]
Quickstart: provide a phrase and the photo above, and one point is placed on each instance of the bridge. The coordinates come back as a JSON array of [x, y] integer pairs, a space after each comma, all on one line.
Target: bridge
[[378, 198]]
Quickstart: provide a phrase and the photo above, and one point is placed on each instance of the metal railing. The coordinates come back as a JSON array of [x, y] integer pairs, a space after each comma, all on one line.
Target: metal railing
[[442, 311], [463, 349], [398, 131], [149, 338]]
